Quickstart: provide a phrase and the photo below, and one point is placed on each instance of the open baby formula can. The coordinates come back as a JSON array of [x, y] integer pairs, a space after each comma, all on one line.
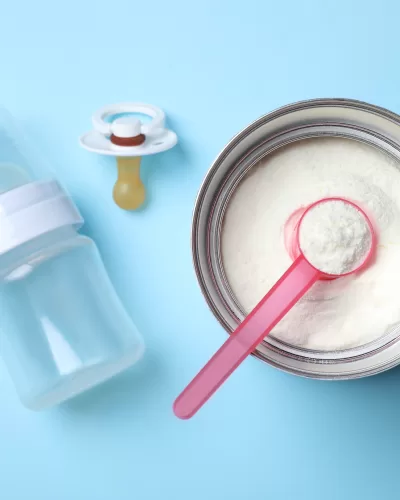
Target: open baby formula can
[[276, 166]]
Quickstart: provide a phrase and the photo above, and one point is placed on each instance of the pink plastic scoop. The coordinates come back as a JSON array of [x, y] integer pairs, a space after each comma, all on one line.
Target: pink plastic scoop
[[295, 282]]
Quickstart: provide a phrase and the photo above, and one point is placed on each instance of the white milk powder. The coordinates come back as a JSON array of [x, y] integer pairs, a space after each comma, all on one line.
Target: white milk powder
[[337, 314], [335, 237]]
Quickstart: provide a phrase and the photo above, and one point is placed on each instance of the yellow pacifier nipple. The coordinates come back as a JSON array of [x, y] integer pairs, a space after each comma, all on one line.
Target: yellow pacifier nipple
[[129, 192]]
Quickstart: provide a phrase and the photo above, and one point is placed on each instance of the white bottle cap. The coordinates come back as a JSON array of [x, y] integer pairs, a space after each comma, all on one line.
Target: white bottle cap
[[32, 210]]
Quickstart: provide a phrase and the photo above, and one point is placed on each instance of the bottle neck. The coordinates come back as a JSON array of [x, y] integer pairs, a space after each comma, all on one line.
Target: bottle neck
[[32, 210], [39, 249]]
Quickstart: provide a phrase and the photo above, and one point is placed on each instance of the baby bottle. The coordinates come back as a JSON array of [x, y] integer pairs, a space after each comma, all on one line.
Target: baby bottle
[[62, 327]]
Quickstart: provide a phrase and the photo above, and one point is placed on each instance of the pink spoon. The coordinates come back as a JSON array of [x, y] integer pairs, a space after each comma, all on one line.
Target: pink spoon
[[296, 281]]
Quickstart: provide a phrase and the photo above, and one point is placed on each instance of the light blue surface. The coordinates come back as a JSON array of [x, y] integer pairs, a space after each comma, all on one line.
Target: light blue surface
[[213, 66]]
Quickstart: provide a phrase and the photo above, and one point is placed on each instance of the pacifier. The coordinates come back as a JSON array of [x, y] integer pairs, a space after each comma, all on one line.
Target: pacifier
[[128, 139]]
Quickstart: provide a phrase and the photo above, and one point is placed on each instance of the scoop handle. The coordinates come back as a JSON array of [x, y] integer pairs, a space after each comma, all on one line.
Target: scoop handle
[[271, 309]]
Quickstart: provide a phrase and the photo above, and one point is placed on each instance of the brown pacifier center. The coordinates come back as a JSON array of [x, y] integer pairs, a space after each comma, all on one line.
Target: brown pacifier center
[[128, 141]]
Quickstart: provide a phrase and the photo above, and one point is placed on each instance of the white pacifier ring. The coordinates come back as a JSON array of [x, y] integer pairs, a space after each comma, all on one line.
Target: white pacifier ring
[[157, 115]]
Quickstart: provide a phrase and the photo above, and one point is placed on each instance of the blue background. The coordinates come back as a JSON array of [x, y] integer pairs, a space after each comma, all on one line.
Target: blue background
[[214, 66]]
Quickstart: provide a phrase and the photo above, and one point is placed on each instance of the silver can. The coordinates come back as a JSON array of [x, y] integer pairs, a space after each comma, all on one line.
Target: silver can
[[343, 118]]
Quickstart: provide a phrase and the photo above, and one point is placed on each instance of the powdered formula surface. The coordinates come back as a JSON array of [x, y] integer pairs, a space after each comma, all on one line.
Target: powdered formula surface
[[337, 314]]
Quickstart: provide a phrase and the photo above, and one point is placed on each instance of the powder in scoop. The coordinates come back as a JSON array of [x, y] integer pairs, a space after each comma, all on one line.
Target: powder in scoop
[[335, 237]]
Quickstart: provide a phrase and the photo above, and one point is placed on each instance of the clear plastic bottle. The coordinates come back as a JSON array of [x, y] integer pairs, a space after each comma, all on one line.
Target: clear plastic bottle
[[62, 327]]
